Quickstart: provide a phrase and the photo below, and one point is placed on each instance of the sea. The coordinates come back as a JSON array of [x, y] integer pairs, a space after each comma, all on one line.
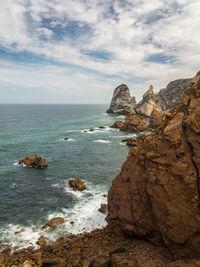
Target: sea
[[42, 194]]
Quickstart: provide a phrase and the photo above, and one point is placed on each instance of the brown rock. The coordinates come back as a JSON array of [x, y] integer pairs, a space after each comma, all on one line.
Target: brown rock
[[100, 261], [123, 259], [2, 258], [77, 184], [134, 122], [130, 141], [156, 119], [102, 127], [53, 223], [6, 250], [27, 263], [157, 193], [37, 257], [19, 232], [103, 208], [41, 241], [117, 124], [34, 161]]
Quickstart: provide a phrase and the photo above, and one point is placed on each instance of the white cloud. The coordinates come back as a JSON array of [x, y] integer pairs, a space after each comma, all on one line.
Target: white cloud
[[128, 32]]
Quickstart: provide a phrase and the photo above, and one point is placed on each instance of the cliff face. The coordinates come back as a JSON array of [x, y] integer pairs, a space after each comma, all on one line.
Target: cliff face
[[170, 96], [157, 193], [147, 105], [122, 102]]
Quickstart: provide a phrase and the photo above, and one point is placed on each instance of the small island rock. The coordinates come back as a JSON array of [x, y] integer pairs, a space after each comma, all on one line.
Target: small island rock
[[34, 161], [77, 184], [122, 102], [103, 208]]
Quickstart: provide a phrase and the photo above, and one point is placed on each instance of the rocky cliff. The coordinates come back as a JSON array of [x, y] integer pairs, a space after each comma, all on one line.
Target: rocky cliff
[[157, 193], [146, 106], [122, 102], [170, 96]]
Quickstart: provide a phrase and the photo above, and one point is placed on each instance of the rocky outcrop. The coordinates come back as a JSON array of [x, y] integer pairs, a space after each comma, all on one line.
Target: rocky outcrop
[[146, 106], [170, 96], [77, 184], [53, 223], [122, 102], [133, 122], [34, 161], [157, 193], [156, 119], [103, 208]]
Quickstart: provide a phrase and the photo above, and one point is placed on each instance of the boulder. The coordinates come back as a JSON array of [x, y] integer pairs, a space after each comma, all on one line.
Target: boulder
[[41, 241], [170, 96], [122, 102], [147, 104], [102, 127], [27, 263], [77, 184], [34, 161], [53, 223], [134, 122], [117, 124], [103, 208], [66, 138], [156, 194], [156, 119], [130, 141]]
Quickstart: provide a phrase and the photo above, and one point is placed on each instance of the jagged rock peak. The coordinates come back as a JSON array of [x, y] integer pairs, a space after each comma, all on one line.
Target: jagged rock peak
[[122, 102], [147, 105], [149, 92], [157, 193]]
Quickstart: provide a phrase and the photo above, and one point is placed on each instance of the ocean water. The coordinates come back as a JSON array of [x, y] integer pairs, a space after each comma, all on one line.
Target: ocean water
[[95, 157]]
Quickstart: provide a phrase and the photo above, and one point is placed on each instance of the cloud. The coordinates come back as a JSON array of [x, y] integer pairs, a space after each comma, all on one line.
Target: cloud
[[155, 41]]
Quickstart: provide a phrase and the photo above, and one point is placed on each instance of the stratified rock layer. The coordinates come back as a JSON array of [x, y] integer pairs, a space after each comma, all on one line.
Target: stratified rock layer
[[156, 195], [122, 102], [170, 96]]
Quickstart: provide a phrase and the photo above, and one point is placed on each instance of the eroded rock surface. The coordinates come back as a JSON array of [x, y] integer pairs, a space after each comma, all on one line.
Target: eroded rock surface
[[77, 184], [133, 122], [170, 96], [156, 119], [146, 106], [157, 193], [53, 223], [122, 102], [34, 161]]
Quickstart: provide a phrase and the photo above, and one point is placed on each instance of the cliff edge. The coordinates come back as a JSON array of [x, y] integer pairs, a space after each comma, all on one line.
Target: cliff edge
[[156, 195]]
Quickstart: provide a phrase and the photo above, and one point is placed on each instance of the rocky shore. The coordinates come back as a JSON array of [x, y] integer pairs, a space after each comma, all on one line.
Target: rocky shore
[[153, 210]]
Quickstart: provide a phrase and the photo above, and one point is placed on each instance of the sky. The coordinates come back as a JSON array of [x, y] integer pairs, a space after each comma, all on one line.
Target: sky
[[78, 51]]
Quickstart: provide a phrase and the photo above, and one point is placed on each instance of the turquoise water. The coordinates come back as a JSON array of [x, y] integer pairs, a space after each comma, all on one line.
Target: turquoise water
[[95, 157]]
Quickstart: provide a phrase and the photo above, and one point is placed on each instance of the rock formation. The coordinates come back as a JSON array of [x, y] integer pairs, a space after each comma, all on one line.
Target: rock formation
[[157, 193], [156, 119], [170, 96], [122, 102], [77, 184], [103, 208], [53, 223], [133, 122], [34, 161], [147, 104]]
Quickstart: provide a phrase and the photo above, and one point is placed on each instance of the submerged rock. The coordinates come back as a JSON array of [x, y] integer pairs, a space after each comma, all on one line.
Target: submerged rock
[[122, 102], [53, 223], [34, 161], [102, 127], [77, 184], [157, 193]]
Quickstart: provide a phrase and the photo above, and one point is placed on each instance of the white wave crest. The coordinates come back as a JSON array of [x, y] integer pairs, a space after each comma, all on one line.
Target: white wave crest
[[101, 141]]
